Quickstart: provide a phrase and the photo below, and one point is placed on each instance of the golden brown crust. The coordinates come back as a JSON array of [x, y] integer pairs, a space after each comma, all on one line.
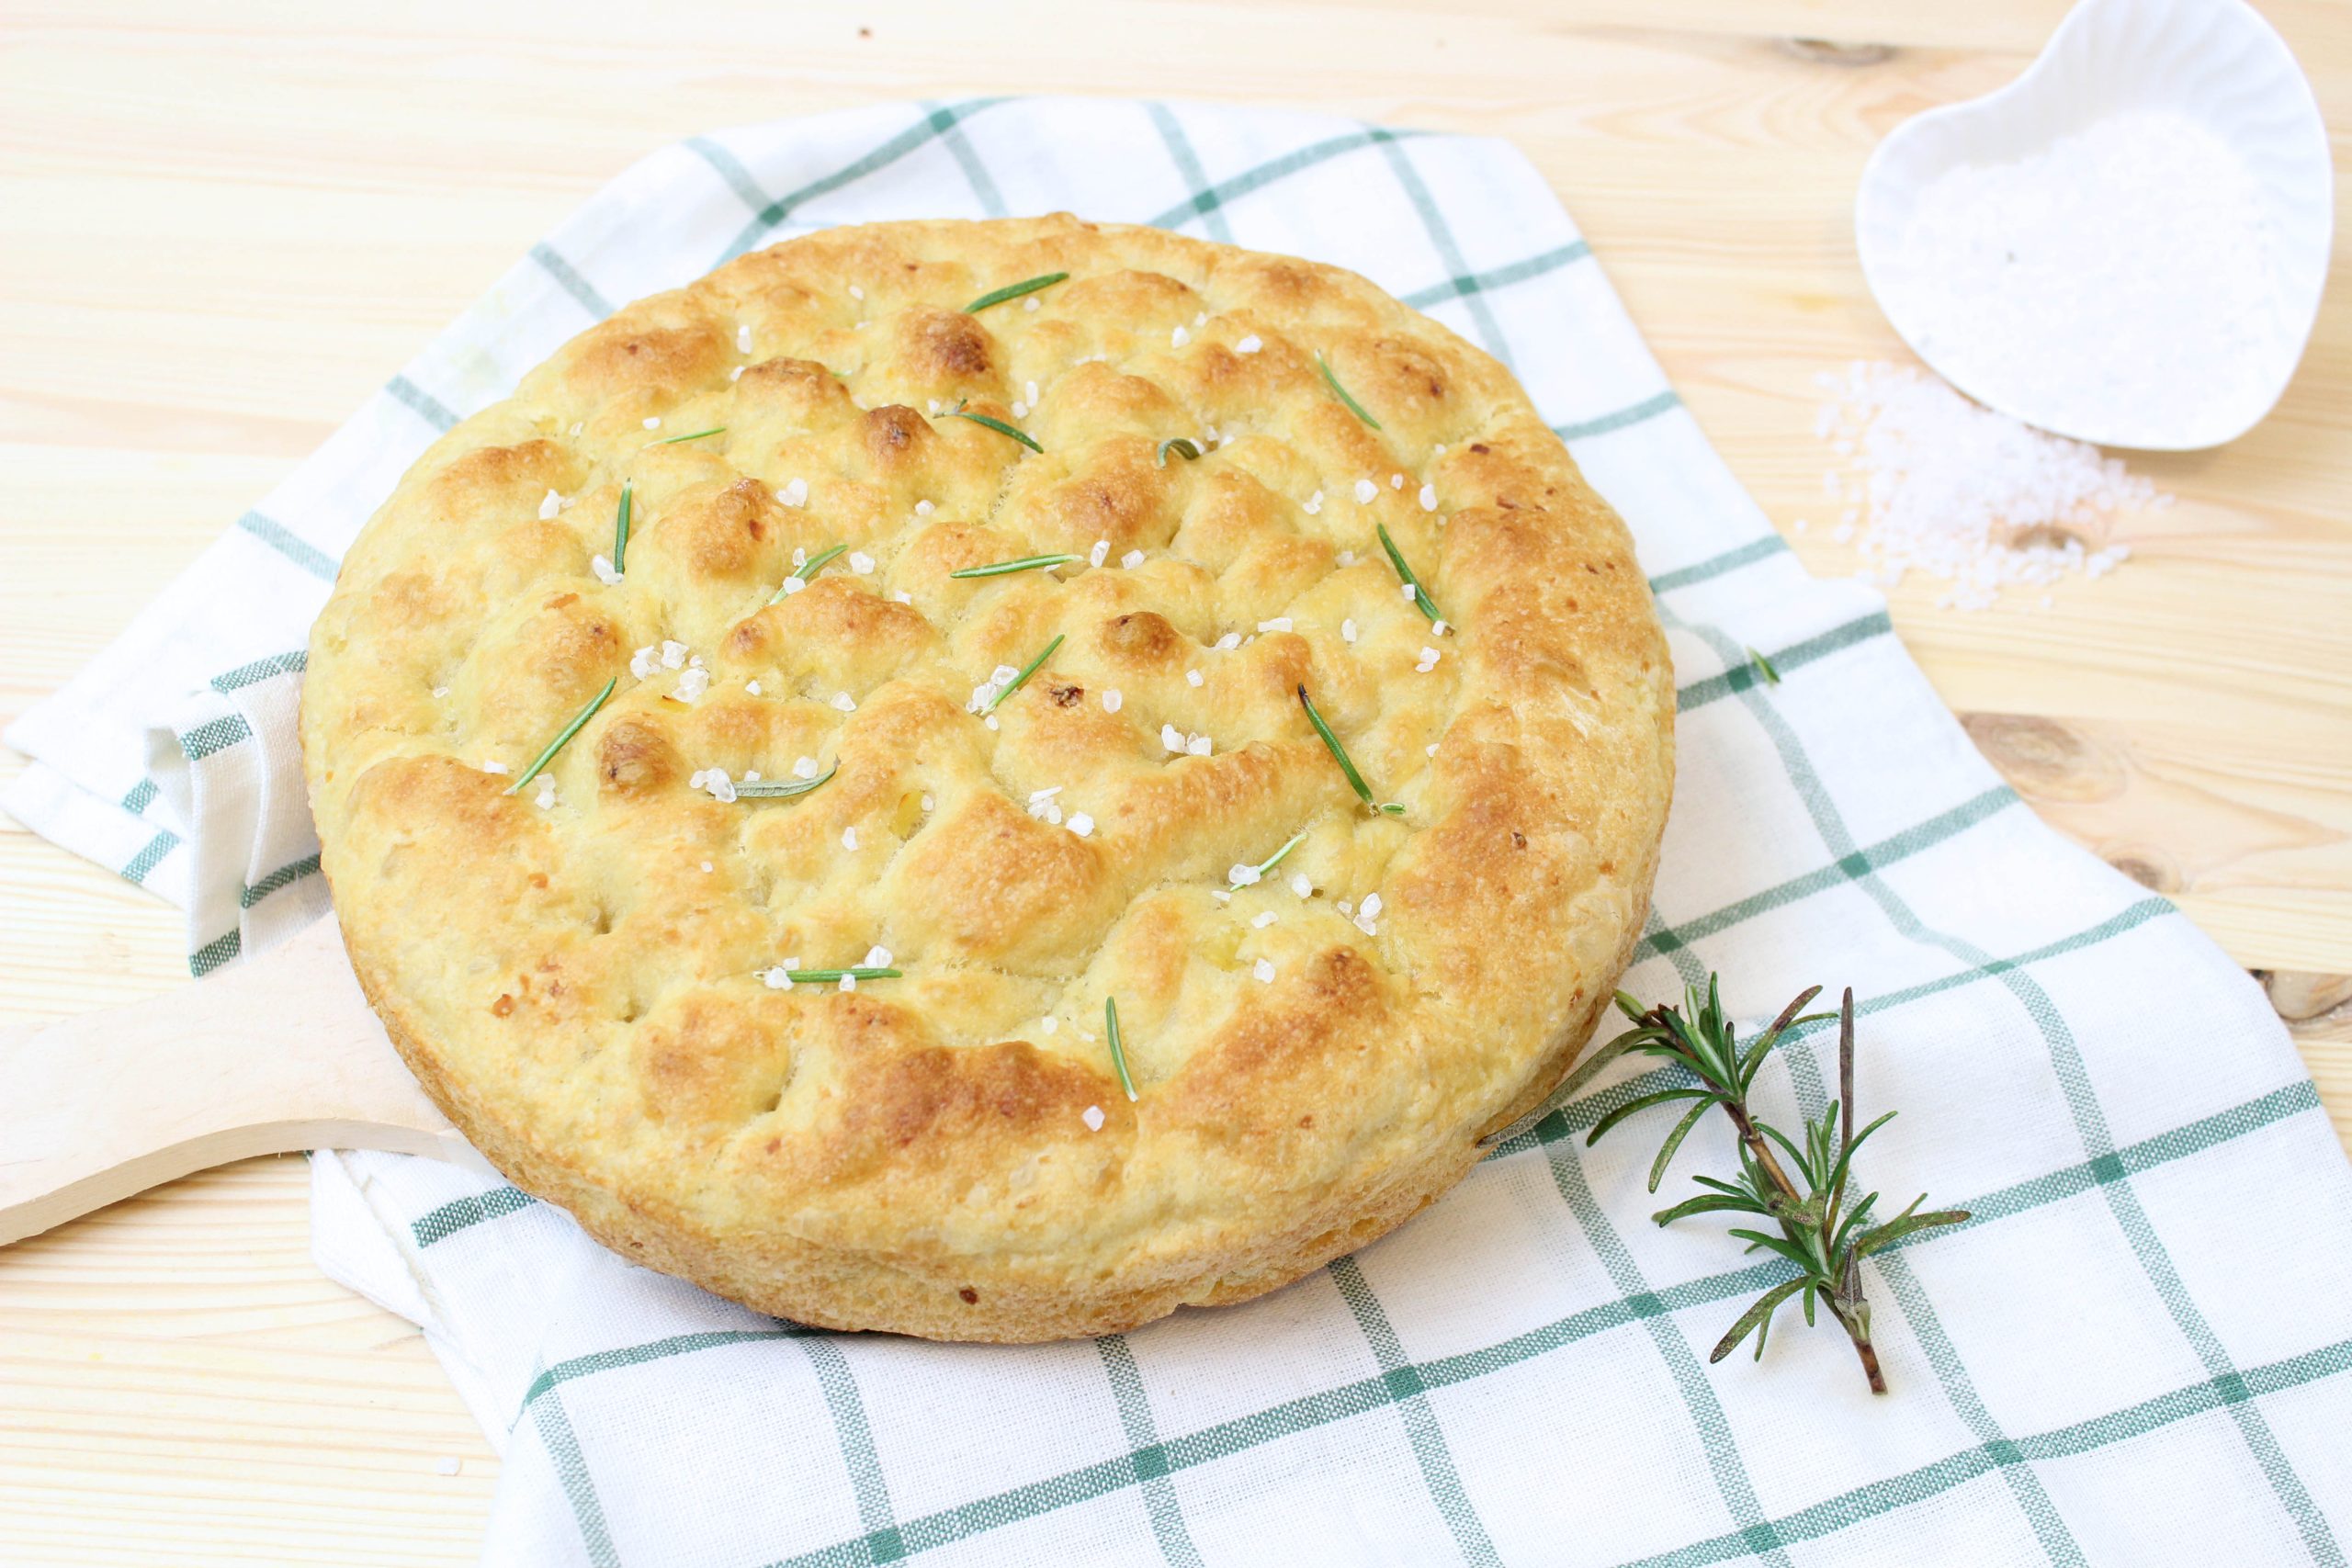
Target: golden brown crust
[[948, 1153]]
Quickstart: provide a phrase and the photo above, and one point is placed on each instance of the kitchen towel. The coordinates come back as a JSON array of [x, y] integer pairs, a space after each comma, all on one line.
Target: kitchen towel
[[2135, 1352]]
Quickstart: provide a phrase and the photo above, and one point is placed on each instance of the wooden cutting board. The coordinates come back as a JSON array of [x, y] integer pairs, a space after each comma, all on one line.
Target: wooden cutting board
[[278, 1054]]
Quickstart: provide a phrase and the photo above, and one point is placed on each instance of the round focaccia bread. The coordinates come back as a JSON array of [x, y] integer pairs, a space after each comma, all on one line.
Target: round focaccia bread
[[589, 972]]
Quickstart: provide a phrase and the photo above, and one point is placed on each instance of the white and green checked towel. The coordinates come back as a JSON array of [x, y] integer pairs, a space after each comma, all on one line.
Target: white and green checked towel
[[2134, 1354]]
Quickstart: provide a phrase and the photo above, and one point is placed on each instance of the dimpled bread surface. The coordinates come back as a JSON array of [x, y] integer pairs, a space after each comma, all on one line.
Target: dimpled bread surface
[[582, 971]]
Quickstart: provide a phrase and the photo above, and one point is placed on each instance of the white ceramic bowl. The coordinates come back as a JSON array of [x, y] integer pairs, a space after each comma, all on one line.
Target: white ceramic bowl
[[2214, 61]]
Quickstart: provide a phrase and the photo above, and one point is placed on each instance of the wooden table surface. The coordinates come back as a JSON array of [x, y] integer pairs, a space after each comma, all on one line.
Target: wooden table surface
[[222, 227]]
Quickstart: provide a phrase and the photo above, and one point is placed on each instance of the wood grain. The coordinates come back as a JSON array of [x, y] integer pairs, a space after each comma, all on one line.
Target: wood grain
[[221, 228]]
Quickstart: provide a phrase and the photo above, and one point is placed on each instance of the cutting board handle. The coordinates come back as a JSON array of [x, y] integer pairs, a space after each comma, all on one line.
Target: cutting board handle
[[276, 1054]]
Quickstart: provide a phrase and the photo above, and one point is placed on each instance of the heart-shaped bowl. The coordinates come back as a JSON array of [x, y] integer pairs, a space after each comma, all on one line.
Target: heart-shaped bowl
[[2214, 61]]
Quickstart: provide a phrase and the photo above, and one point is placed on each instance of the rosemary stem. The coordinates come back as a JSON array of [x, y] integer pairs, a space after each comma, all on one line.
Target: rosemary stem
[[1858, 1330], [1737, 1111], [1853, 1283]]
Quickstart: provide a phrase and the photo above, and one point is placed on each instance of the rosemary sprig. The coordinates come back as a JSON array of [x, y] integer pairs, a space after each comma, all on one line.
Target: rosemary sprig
[[1817, 1231], [620, 529], [1118, 1051], [569, 731], [1340, 755], [691, 436], [1396, 560], [1342, 392], [1764, 665], [1013, 292], [1026, 670], [822, 977], [960, 411], [805, 573], [781, 789], [1258, 872], [1026, 563], [1184, 447]]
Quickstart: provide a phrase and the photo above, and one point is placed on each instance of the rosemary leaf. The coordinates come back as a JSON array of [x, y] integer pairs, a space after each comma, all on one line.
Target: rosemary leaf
[[781, 789], [1764, 666], [1026, 563], [1674, 1141], [1397, 559], [1119, 1050], [960, 411], [805, 573], [1013, 292], [620, 529], [1275, 858], [1342, 392], [691, 436], [1757, 1318], [1895, 1230], [1340, 755], [1026, 670], [822, 977], [1663, 1097], [1707, 1203], [1182, 446], [569, 731]]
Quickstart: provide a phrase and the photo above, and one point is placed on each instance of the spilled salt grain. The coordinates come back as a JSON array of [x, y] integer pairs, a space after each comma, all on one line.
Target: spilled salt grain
[[1968, 496]]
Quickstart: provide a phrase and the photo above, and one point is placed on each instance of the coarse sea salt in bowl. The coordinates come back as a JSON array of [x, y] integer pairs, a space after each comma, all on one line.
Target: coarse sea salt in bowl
[[2125, 245]]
